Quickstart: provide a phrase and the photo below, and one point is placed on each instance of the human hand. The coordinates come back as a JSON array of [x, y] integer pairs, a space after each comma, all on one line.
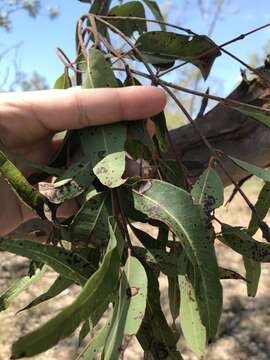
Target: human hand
[[29, 120]]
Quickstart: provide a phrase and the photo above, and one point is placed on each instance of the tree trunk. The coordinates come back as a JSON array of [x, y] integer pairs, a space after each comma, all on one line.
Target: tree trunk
[[230, 131]]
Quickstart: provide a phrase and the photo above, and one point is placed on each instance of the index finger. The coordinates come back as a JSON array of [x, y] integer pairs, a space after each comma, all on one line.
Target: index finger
[[41, 112]]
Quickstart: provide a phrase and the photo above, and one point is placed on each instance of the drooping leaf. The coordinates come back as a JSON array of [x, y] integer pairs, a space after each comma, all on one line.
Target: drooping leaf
[[241, 242], [26, 192], [160, 130], [174, 207], [90, 224], [190, 319], [155, 335], [255, 114], [252, 169], [58, 286], [208, 190], [174, 298], [94, 347], [95, 292], [129, 309], [84, 331], [129, 9], [253, 268], [19, 286], [227, 274], [63, 82], [159, 47], [146, 239], [173, 173], [153, 6], [66, 263], [103, 145]]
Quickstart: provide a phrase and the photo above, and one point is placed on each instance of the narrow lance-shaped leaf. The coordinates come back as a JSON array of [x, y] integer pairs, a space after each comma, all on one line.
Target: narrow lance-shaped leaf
[[129, 9], [253, 268], [153, 6], [160, 130], [129, 309], [252, 169], [66, 263], [193, 329], [227, 274], [255, 114], [93, 295], [104, 145], [63, 82], [26, 192], [58, 286], [94, 347], [239, 240], [19, 286], [159, 47], [174, 207], [208, 190], [155, 335], [90, 224]]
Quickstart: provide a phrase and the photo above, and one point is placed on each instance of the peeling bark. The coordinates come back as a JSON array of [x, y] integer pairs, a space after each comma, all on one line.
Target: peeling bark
[[230, 131]]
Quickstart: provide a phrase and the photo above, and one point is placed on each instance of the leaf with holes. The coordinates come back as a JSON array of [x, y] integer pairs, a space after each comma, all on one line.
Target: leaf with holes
[[66, 263], [190, 318], [208, 190], [129, 309], [241, 242], [19, 286], [90, 224], [95, 292], [129, 9], [104, 145], [174, 207], [159, 47]]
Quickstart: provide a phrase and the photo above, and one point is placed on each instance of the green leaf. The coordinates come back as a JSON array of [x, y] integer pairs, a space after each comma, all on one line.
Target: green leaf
[[129, 309], [104, 145], [208, 190], [19, 286], [173, 172], [191, 323], [241, 242], [63, 82], [253, 268], [90, 224], [58, 286], [66, 263], [155, 335], [129, 9], [146, 239], [95, 292], [96, 344], [256, 114], [252, 169], [26, 192], [153, 6], [85, 330], [159, 47], [174, 207], [160, 130], [227, 274], [174, 298]]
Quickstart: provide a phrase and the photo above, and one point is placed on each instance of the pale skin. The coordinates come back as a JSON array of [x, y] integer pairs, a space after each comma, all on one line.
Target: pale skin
[[28, 122]]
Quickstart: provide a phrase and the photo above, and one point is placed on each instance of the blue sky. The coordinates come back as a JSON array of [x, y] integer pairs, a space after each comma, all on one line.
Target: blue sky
[[41, 37]]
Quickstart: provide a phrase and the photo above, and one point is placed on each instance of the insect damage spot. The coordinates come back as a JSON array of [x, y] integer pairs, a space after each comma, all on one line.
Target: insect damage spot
[[132, 291]]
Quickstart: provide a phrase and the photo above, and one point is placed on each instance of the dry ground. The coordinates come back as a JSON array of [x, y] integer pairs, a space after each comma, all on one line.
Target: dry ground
[[245, 325]]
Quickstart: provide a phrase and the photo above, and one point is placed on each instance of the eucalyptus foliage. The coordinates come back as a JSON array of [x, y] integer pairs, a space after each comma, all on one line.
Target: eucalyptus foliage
[[94, 248]]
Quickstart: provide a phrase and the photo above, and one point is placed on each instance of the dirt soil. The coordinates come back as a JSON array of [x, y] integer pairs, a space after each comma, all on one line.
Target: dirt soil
[[245, 325]]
